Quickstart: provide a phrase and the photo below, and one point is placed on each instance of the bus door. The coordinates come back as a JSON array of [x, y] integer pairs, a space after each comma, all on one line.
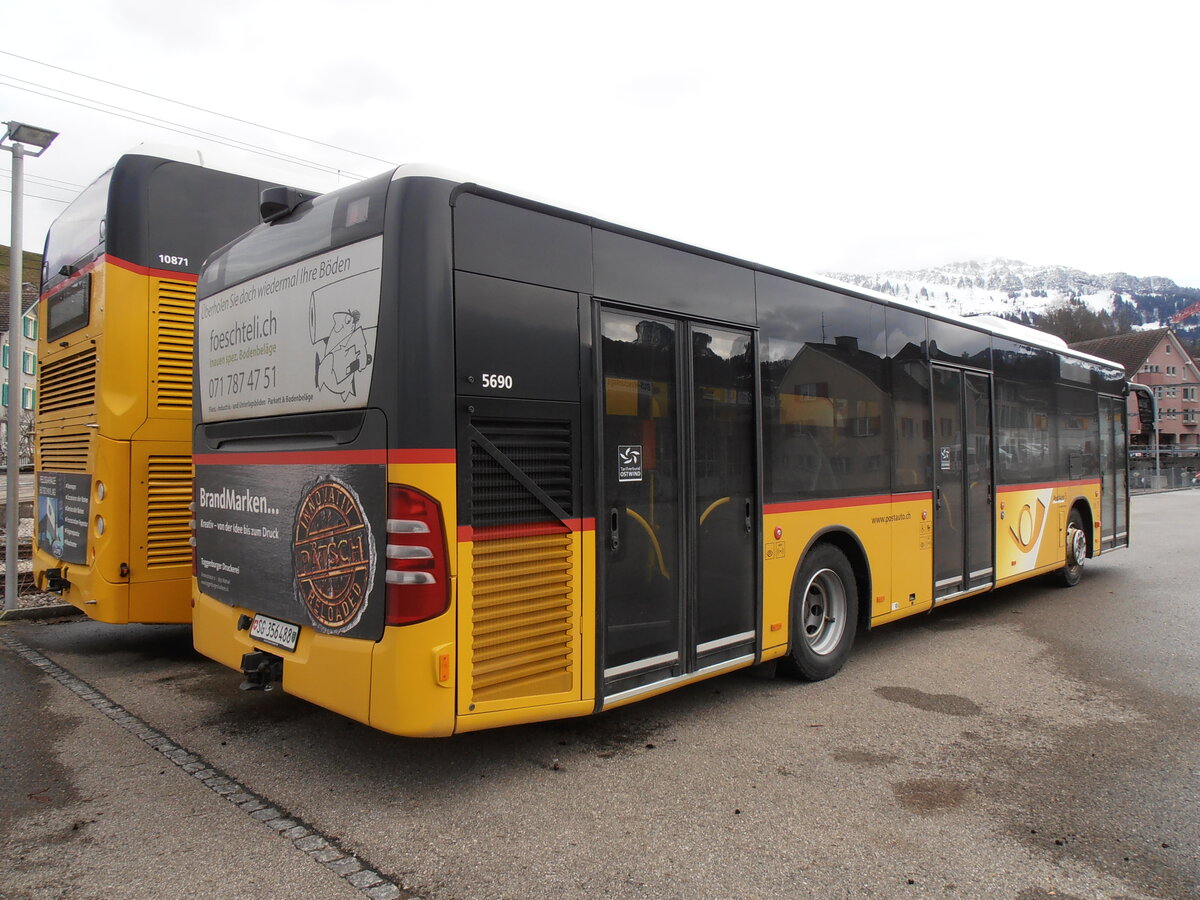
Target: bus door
[[963, 544], [678, 505], [1113, 490]]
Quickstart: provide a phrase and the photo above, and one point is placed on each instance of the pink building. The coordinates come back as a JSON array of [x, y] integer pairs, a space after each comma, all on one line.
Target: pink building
[[1156, 358]]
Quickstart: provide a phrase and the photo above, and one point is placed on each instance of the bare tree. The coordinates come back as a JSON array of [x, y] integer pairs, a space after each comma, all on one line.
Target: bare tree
[[24, 440]]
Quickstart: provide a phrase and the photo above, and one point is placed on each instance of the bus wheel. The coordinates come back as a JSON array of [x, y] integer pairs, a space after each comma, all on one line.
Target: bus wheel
[[824, 614], [1076, 550]]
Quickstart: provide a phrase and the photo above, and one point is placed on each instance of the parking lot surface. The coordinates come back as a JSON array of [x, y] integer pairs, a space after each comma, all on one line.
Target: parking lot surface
[[1030, 743]]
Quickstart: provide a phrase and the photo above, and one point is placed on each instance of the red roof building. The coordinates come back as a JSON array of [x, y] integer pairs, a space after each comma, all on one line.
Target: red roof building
[[1156, 359]]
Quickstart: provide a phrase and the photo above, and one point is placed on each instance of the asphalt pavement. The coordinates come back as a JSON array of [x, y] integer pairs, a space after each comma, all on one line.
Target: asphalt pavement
[[1037, 742]]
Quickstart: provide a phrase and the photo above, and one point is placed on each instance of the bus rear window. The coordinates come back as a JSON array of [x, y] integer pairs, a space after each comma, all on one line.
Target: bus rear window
[[69, 309], [330, 221]]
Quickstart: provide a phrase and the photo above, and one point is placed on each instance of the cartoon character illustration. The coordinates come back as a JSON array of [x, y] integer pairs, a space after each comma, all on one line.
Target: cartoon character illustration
[[343, 337], [341, 355]]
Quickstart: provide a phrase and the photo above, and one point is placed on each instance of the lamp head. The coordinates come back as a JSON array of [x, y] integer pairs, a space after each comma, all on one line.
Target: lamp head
[[31, 136]]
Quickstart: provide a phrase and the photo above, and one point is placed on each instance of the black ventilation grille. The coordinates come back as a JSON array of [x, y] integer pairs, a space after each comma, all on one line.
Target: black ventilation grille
[[541, 451]]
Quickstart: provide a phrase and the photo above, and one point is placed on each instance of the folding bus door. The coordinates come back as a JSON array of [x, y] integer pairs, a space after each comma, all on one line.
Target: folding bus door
[[1108, 479], [1113, 488], [678, 498], [963, 544]]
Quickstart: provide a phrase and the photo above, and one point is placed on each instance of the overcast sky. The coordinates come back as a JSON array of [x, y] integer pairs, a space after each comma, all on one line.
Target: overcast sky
[[813, 137]]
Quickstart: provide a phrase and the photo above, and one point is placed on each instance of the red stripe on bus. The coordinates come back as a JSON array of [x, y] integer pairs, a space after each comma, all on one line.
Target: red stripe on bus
[[297, 457], [415, 457], [845, 502], [62, 285], [293, 458], [467, 534], [1045, 485], [146, 270]]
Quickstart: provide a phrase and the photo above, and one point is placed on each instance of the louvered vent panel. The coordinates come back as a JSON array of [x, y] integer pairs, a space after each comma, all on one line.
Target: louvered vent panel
[[169, 493], [68, 384], [175, 328], [64, 451], [521, 621], [541, 450]]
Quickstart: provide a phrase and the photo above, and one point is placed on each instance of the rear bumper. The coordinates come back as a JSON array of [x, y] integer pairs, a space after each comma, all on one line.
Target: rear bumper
[[116, 602], [392, 685]]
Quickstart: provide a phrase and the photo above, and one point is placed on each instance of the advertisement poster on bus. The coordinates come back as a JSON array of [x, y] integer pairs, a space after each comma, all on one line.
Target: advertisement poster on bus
[[303, 543], [298, 339], [64, 504]]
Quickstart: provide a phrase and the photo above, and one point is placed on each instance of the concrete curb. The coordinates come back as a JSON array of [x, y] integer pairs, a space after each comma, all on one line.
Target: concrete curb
[[34, 613]]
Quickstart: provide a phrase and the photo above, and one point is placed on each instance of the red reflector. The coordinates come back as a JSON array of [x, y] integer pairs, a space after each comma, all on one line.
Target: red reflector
[[405, 501], [418, 578]]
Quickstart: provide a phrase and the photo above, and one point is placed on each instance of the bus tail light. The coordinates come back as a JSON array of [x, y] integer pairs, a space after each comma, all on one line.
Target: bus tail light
[[418, 579]]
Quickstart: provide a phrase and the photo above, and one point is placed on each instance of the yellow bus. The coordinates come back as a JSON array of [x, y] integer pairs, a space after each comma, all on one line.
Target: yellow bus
[[464, 460], [113, 421]]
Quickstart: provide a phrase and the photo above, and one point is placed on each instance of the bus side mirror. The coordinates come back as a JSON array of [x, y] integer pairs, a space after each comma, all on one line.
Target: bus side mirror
[[277, 202], [1146, 411]]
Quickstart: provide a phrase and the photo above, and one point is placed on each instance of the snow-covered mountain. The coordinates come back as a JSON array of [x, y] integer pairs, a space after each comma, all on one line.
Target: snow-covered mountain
[[1006, 287]]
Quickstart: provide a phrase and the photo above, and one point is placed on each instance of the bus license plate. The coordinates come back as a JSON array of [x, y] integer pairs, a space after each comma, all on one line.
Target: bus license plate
[[273, 632]]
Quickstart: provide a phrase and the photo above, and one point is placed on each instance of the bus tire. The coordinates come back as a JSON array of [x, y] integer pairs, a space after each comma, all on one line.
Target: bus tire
[[824, 614], [1070, 573]]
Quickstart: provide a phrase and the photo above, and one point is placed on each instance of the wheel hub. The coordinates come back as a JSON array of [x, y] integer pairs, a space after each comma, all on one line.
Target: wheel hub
[[1077, 545], [824, 611]]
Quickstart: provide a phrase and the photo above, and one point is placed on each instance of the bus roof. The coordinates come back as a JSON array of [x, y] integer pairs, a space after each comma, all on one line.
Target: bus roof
[[993, 325]]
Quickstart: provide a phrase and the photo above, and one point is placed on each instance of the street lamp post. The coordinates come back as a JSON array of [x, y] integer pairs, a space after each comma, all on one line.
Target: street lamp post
[[20, 140]]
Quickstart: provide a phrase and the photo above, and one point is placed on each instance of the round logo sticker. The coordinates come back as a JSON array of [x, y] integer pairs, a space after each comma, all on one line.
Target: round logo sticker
[[333, 555]]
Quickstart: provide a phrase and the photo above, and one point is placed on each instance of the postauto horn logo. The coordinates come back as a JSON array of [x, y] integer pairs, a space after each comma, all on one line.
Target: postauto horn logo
[[333, 555]]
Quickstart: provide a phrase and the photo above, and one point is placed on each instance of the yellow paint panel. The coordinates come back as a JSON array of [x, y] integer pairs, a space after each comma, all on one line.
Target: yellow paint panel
[[214, 630], [161, 602], [911, 590], [407, 695], [1027, 529], [123, 347], [1031, 526], [521, 623], [895, 536], [331, 671]]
